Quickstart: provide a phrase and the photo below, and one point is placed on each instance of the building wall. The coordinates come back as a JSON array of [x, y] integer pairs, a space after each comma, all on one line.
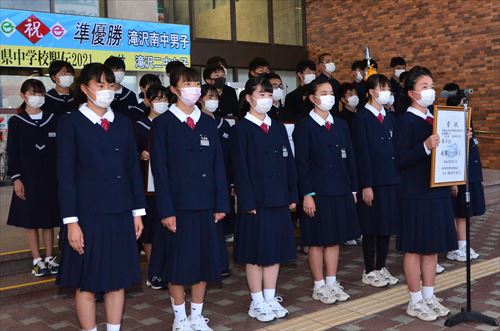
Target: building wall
[[457, 40], [144, 10]]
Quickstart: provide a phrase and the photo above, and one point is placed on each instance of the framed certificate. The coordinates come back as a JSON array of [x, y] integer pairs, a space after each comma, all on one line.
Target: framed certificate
[[149, 180], [449, 158]]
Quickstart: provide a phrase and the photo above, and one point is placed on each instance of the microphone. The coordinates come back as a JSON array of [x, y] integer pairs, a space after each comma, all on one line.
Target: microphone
[[465, 92]]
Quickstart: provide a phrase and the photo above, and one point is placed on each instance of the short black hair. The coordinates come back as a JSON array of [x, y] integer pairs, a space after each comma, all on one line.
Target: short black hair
[[451, 87], [272, 75], [172, 65], [322, 56], [398, 61], [258, 62], [376, 80], [216, 60], [305, 64], [360, 64], [149, 79], [58, 65], [413, 75], [114, 62], [211, 69], [187, 74], [344, 88], [92, 71], [312, 87]]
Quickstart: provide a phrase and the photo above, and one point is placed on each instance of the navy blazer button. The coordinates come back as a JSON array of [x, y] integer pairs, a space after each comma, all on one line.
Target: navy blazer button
[[381, 138], [393, 158], [118, 177], [117, 149], [204, 175]]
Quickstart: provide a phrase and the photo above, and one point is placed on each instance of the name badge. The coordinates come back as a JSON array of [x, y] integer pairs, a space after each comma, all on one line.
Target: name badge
[[285, 151], [343, 153], [204, 141], [225, 135], [52, 134]]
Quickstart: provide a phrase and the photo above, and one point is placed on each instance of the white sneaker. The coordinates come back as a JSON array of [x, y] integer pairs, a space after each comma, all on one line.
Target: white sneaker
[[182, 325], [338, 292], [200, 323], [229, 238], [374, 278], [473, 254], [262, 312], [456, 255], [387, 275], [435, 305], [324, 295], [439, 268], [351, 242], [421, 311], [277, 308]]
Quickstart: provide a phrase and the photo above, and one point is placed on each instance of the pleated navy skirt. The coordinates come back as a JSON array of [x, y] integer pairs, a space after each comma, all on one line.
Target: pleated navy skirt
[[477, 201], [382, 218], [266, 238], [157, 269], [194, 251], [223, 247], [427, 226], [334, 223], [149, 220], [110, 261]]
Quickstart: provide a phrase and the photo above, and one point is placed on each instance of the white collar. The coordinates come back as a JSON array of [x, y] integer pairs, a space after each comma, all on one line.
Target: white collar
[[195, 115], [38, 116], [318, 119], [374, 110], [256, 121], [93, 117], [119, 91], [417, 112]]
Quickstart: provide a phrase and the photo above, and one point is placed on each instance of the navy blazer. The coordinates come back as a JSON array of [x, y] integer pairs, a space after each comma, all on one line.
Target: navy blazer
[[58, 104], [361, 92], [224, 130], [295, 109], [126, 104], [321, 164], [188, 166], [375, 151], [142, 130], [475, 166], [414, 163], [98, 171], [263, 166]]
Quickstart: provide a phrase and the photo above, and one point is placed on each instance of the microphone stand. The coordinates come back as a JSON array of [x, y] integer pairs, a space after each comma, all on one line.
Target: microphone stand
[[467, 315]]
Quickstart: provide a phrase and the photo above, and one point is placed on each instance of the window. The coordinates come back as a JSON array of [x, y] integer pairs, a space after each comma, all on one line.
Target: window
[[252, 21], [287, 18], [40, 5], [212, 19], [173, 11], [77, 7]]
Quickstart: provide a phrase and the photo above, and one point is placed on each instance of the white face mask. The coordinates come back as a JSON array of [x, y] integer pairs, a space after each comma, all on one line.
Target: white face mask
[[211, 105], [353, 101], [398, 72], [190, 95], [277, 94], [427, 97], [326, 102], [36, 101], [160, 107], [359, 76], [330, 67], [66, 81], [383, 97], [391, 100], [119, 75], [309, 78], [103, 98], [262, 105]]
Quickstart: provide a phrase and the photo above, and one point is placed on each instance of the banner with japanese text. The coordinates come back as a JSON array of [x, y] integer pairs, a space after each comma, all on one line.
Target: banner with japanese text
[[35, 39]]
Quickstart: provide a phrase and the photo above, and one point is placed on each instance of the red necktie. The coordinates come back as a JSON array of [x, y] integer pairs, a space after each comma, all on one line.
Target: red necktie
[[264, 127], [105, 124], [380, 118], [429, 120], [328, 125], [190, 123]]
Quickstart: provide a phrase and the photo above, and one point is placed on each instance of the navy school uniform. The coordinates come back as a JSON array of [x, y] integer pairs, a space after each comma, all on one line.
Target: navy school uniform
[[295, 108], [336, 85], [346, 115], [144, 109], [126, 103], [327, 167], [377, 168], [101, 187], [277, 113], [228, 102], [31, 152], [266, 181], [427, 225], [361, 92], [58, 104], [190, 184]]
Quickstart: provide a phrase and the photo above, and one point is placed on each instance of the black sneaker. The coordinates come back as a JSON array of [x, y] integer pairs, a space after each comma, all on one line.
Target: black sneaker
[[40, 269], [226, 273], [155, 284], [52, 265]]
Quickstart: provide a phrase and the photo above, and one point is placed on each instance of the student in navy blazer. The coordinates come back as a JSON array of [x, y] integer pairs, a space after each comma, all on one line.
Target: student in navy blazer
[[60, 99], [327, 184], [146, 81], [101, 198], [427, 225], [378, 177], [266, 186], [191, 195]]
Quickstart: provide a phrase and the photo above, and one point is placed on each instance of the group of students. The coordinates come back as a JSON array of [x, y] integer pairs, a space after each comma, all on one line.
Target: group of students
[[360, 166]]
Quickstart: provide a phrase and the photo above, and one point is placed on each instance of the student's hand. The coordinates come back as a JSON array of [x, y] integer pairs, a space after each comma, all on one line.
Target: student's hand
[[309, 206], [219, 216], [469, 133], [320, 68], [252, 212], [432, 141], [75, 237], [19, 189], [292, 206], [145, 156], [355, 198], [454, 190], [170, 223], [368, 196], [138, 226]]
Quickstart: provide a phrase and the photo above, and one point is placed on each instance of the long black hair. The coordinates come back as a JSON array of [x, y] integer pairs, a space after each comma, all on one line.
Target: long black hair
[[148, 80], [251, 85], [92, 71], [155, 91], [31, 85]]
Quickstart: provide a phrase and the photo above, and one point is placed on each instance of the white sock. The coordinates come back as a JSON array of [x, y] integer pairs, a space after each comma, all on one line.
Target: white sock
[[257, 297], [319, 283], [462, 244], [427, 292], [179, 311], [269, 294], [331, 280], [93, 329], [112, 327], [415, 297], [35, 261], [196, 309]]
